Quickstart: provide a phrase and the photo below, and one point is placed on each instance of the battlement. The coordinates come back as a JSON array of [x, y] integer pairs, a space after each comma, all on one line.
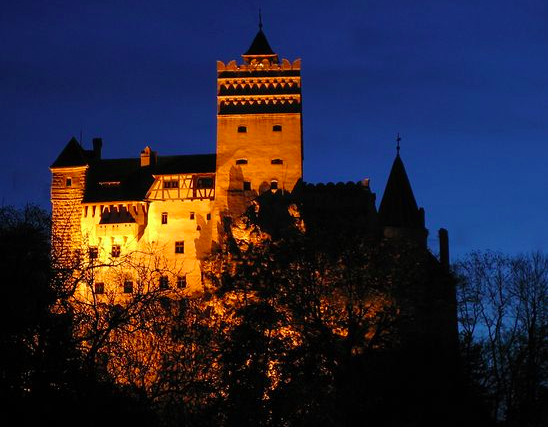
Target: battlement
[[262, 66]]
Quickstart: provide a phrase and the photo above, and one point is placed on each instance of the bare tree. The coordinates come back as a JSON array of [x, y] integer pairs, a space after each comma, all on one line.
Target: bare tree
[[503, 316]]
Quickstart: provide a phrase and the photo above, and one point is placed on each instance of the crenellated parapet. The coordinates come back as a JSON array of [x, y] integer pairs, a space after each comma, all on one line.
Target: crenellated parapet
[[264, 65], [259, 87]]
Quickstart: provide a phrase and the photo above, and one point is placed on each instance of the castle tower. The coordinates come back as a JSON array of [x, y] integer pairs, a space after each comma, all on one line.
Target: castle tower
[[67, 192], [399, 214], [259, 127]]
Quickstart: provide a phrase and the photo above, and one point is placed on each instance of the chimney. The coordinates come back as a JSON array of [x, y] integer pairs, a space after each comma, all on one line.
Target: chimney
[[97, 146], [148, 157], [444, 248]]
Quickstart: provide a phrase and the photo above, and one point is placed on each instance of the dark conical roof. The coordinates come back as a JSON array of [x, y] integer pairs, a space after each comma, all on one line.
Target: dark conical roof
[[398, 205], [260, 46], [72, 155]]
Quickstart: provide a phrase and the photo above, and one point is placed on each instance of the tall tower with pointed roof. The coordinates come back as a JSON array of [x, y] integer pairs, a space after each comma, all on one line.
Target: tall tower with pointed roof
[[259, 126], [399, 214]]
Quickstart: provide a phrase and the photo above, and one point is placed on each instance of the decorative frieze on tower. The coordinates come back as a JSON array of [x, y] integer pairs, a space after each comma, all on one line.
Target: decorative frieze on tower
[[259, 126]]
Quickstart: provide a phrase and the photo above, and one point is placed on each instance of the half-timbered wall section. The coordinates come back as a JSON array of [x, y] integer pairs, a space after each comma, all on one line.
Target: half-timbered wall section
[[182, 187]]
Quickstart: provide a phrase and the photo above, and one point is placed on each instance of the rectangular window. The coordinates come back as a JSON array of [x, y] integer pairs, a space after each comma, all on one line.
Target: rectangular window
[[277, 128], [99, 288], [277, 162], [242, 129], [171, 183], [68, 182], [128, 287], [93, 252], [191, 215], [208, 216], [181, 282], [247, 186], [204, 182], [273, 184], [180, 247], [164, 283], [164, 217], [115, 251]]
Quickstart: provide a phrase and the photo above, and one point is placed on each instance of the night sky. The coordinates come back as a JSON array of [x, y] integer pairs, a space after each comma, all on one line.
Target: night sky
[[465, 83]]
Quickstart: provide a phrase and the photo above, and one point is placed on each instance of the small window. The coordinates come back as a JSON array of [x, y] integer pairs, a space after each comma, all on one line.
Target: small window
[[99, 288], [204, 182], [247, 186], [128, 287], [241, 161], [68, 182], [93, 252], [180, 247], [277, 128], [181, 282], [173, 183], [208, 216], [115, 251], [242, 129], [192, 215], [277, 162], [164, 217], [273, 184], [164, 283]]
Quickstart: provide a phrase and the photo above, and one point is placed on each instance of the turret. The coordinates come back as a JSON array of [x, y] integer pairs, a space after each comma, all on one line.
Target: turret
[[67, 191], [399, 215]]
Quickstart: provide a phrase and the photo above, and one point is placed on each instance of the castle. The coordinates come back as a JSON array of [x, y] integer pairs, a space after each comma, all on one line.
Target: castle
[[105, 209]]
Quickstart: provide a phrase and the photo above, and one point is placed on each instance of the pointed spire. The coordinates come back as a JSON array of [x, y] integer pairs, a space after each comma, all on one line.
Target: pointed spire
[[260, 48], [398, 206], [398, 139]]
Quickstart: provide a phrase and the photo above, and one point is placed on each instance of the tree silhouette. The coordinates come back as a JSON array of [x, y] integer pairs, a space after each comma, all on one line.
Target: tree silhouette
[[43, 379], [503, 314], [325, 336]]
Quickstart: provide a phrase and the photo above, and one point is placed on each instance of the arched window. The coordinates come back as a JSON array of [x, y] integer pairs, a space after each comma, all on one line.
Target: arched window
[[242, 129], [277, 128], [277, 162]]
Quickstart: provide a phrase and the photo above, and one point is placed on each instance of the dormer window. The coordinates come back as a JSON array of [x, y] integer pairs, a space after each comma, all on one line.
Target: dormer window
[[172, 183], [204, 182], [242, 129], [277, 128], [277, 162], [241, 161]]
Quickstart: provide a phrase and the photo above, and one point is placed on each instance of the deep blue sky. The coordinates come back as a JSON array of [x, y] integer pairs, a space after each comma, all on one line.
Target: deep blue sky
[[465, 82]]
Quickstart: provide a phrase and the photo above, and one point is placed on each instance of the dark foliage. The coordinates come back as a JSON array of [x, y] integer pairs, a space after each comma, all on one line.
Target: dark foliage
[[41, 377]]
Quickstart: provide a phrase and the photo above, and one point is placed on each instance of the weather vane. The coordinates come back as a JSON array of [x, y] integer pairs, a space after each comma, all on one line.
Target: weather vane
[[398, 139]]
